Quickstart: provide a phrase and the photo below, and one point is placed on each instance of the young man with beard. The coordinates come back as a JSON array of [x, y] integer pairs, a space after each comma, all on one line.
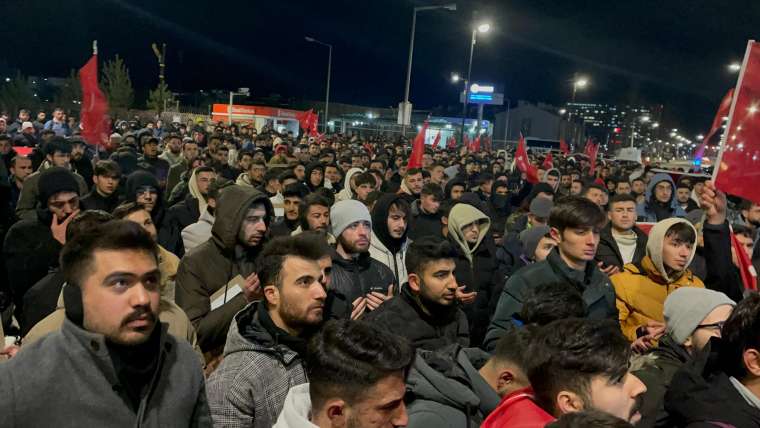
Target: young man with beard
[[313, 214], [411, 186], [575, 224], [292, 197], [80, 161], [125, 364], [172, 149], [226, 261], [359, 283], [357, 375], [575, 365], [20, 169], [620, 241], [267, 339], [189, 154], [104, 195], [389, 242], [426, 218], [426, 311], [32, 246]]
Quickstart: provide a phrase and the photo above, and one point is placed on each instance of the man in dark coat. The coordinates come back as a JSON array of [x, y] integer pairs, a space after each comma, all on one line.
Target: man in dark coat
[[426, 218], [719, 388], [104, 195], [119, 365], [575, 224], [32, 246], [224, 262], [359, 282], [186, 212], [620, 241], [427, 311]]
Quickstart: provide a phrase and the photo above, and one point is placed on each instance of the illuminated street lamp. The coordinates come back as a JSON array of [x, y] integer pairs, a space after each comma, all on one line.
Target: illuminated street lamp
[[483, 27], [734, 67], [455, 77], [579, 83]]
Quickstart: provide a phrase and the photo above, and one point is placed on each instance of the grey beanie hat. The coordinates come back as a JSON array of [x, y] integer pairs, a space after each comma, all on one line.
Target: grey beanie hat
[[686, 307], [343, 213], [531, 237]]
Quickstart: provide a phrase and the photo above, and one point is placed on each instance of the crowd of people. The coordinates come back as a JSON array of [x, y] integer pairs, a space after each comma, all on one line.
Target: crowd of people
[[212, 275]]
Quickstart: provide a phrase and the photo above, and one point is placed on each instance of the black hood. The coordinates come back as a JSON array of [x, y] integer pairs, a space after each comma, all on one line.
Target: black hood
[[380, 222], [307, 175], [456, 181]]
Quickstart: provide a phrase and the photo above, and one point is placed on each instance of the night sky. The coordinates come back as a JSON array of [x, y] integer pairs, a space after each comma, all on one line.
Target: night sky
[[651, 52]]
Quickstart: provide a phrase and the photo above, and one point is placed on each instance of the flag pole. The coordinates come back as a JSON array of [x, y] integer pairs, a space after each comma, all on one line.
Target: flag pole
[[94, 47], [723, 138]]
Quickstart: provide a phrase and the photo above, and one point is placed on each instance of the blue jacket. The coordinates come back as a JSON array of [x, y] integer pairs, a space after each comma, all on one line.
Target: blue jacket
[[646, 212]]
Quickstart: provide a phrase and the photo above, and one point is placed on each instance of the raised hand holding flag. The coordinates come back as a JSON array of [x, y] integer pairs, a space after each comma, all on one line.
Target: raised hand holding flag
[[523, 163]]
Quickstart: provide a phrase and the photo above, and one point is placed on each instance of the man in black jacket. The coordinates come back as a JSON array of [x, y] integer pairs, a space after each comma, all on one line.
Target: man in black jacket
[[720, 387], [104, 195], [359, 282], [620, 241], [427, 311], [32, 246], [426, 218], [186, 212]]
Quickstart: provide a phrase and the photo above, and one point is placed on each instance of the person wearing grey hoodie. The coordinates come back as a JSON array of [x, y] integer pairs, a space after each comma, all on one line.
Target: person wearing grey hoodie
[[660, 202], [458, 387]]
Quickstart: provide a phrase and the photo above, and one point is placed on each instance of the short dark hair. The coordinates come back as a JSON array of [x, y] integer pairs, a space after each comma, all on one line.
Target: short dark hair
[[297, 190], [593, 186], [244, 153], [575, 211], [432, 189], [271, 175], [620, 197], [272, 257], [552, 301], [365, 178], [427, 249], [414, 171], [512, 346], [682, 232], [107, 168], [86, 220], [578, 181], [126, 209], [57, 144], [741, 332], [347, 358], [744, 230], [589, 418], [308, 201], [746, 205], [567, 354], [77, 254], [637, 179]]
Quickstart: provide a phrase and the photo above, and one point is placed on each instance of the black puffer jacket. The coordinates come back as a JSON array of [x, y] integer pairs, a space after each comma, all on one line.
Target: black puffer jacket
[[352, 279], [432, 327], [608, 251], [177, 218]]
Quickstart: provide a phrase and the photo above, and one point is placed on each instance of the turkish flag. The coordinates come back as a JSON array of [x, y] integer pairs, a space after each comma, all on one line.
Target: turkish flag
[[452, 144], [591, 151], [747, 271], [563, 147], [96, 125], [476, 144], [737, 171], [437, 140], [523, 163], [418, 149], [467, 142], [304, 119], [548, 162], [488, 142], [723, 110]]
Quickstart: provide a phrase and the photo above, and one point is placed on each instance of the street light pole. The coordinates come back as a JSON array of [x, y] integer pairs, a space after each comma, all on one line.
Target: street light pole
[[329, 69], [452, 7]]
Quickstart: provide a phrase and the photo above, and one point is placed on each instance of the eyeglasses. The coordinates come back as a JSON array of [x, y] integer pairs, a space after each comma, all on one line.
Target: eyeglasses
[[714, 326]]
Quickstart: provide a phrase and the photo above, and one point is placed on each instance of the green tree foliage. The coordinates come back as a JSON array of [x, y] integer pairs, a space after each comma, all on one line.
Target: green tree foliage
[[117, 85]]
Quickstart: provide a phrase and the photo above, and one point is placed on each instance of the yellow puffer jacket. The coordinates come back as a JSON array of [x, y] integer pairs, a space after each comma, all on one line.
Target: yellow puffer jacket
[[640, 296], [641, 291]]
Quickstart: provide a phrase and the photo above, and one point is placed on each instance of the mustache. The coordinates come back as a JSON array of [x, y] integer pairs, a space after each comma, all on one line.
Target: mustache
[[637, 405], [139, 314]]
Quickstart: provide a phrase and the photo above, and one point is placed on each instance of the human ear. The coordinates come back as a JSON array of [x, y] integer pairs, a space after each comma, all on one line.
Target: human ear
[[568, 402]]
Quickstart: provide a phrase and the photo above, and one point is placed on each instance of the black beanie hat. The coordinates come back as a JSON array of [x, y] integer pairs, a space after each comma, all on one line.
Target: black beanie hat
[[55, 180]]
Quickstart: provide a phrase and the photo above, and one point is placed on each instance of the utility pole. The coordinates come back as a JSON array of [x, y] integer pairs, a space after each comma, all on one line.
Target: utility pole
[[161, 57]]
